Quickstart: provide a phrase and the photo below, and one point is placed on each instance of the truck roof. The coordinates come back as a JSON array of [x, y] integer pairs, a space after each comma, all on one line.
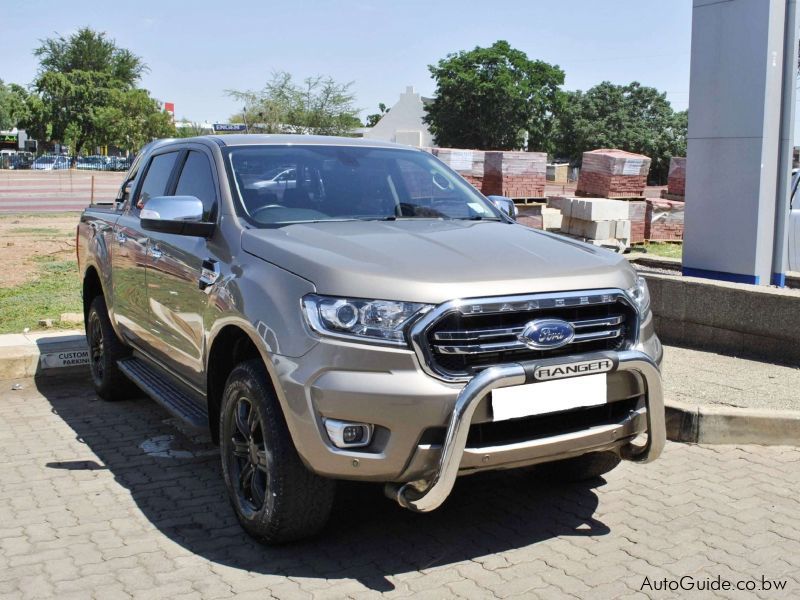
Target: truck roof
[[287, 139]]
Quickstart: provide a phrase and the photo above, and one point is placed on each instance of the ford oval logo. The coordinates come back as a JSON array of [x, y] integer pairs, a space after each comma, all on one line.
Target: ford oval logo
[[547, 334]]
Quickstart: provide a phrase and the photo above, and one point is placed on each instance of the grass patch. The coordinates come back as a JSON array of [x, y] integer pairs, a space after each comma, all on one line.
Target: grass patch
[[34, 231], [55, 290], [664, 249], [17, 216]]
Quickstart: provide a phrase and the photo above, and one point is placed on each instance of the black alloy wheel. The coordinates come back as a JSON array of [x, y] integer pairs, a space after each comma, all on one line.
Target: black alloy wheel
[[248, 457]]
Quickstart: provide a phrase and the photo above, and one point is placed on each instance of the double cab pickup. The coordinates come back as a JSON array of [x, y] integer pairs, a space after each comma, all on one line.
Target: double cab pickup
[[341, 309]]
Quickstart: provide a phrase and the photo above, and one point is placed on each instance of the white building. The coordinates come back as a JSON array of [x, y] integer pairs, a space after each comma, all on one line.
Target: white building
[[403, 123]]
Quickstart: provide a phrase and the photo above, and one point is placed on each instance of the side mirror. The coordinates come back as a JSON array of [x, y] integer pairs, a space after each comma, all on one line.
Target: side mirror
[[182, 215], [504, 205]]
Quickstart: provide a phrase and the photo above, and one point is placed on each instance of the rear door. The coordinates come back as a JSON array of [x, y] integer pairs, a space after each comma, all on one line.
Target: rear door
[[175, 265], [129, 250]]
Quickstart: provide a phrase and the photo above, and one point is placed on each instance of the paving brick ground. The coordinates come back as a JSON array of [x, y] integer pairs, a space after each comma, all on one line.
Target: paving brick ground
[[86, 512]]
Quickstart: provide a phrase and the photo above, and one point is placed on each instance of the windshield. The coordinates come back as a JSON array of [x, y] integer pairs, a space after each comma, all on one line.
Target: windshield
[[278, 185]]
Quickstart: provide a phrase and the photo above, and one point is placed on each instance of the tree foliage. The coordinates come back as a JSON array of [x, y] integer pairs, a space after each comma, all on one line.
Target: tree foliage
[[631, 117], [87, 88], [13, 106], [23, 109], [132, 118], [488, 98], [319, 106], [373, 119]]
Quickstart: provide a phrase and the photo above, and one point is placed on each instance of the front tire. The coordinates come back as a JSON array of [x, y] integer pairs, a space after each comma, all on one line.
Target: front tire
[[275, 497], [105, 349]]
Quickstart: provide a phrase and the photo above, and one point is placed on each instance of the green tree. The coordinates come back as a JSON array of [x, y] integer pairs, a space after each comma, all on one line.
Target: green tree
[[488, 98], [12, 105], [319, 106], [85, 78], [373, 119], [132, 118], [22, 109], [631, 117]]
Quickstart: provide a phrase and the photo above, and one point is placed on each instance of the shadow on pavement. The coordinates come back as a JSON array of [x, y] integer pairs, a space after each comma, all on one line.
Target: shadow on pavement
[[369, 537]]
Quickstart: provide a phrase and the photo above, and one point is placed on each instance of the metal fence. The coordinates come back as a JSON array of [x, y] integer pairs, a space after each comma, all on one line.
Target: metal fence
[[58, 162]]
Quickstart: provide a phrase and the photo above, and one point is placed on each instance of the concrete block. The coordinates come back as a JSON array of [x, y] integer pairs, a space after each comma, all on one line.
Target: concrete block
[[561, 203], [552, 218], [599, 209], [600, 230], [623, 229]]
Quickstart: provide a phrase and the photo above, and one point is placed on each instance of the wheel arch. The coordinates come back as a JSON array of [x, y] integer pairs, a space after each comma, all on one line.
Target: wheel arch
[[91, 288], [233, 343]]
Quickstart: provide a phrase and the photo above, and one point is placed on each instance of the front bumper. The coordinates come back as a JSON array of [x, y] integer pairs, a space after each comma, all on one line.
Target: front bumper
[[411, 411], [428, 494]]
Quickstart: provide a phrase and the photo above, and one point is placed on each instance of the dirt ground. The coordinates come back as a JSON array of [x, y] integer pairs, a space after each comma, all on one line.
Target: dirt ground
[[28, 239]]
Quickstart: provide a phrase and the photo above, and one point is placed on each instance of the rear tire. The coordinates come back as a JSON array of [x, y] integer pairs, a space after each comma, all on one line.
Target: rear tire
[[105, 349], [580, 468], [275, 497]]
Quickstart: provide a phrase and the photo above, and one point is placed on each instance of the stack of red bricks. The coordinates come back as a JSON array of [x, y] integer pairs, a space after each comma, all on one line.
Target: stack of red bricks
[[664, 220], [515, 174], [467, 163], [637, 213], [676, 180], [610, 173]]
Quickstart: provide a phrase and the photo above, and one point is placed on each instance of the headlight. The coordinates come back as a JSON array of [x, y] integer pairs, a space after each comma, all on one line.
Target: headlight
[[640, 295], [365, 320]]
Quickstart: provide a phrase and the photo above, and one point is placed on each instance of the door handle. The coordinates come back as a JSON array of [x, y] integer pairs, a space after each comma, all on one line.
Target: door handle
[[209, 275], [155, 252], [121, 238]]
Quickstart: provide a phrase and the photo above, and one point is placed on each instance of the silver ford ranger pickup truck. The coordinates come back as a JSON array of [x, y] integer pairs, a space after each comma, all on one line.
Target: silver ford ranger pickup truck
[[331, 308]]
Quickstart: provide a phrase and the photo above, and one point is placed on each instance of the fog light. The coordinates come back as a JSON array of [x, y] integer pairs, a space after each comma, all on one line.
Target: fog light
[[348, 435]]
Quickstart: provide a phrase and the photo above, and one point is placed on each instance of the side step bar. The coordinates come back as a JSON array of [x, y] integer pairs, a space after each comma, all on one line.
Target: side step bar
[[156, 385]]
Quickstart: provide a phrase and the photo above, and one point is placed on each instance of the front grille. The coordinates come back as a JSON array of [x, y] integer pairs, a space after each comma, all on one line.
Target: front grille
[[476, 334]]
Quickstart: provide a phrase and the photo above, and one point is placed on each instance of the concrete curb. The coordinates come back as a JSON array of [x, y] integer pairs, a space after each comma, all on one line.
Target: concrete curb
[[43, 354], [730, 425]]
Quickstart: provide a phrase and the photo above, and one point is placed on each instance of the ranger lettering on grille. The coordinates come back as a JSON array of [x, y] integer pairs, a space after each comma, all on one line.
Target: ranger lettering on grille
[[574, 369]]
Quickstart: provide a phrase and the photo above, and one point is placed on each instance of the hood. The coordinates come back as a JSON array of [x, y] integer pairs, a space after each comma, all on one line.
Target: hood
[[434, 261]]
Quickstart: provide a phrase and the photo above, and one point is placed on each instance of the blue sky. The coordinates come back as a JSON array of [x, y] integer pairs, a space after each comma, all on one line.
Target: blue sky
[[196, 50]]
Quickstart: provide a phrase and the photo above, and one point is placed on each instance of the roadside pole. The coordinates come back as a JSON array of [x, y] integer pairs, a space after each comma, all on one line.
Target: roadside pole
[[783, 196]]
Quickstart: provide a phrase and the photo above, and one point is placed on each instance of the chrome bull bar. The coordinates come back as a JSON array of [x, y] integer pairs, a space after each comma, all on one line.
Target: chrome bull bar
[[427, 495]]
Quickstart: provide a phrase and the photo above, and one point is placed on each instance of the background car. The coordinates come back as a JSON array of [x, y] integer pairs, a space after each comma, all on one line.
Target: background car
[[51, 162], [119, 163], [94, 162]]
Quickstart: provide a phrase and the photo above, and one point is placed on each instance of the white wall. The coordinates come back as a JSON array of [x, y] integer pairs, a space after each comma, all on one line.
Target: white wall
[[403, 123]]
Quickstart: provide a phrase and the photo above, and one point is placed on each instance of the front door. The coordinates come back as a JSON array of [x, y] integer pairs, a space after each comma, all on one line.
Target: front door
[[174, 267]]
